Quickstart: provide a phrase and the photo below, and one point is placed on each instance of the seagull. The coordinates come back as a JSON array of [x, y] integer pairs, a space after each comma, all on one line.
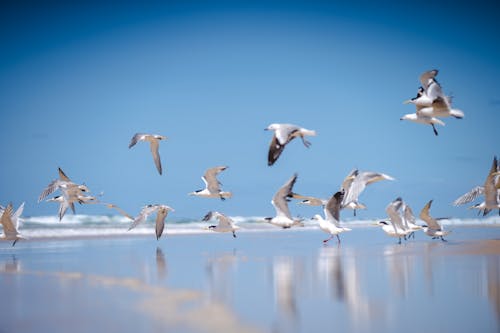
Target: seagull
[[212, 185], [396, 227], [433, 228], [283, 134], [225, 224], [355, 183], [161, 214], [422, 119], [330, 224], [280, 200], [154, 143], [10, 223], [430, 99], [493, 175]]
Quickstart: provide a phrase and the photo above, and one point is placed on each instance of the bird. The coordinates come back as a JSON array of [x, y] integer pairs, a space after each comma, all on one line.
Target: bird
[[67, 187], [422, 119], [409, 220], [491, 190], [280, 200], [154, 143], [161, 214], [212, 185], [396, 227], [355, 183], [330, 224], [430, 99], [433, 228], [225, 224], [10, 223], [283, 134], [493, 176]]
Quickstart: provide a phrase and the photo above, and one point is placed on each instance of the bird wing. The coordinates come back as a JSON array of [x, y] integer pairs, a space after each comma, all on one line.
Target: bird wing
[[225, 222], [428, 77], [160, 220], [119, 210], [332, 208], [280, 198], [275, 150], [154, 144], [210, 179], [346, 184], [6, 220], [62, 175], [312, 201], [51, 188], [432, 223], [408, 214], [469, 196], [143, 215], [392, 211], [490, 189], [135, 139]]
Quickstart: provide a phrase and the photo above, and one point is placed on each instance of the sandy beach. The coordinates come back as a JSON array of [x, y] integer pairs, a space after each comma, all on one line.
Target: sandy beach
[[283, 281]]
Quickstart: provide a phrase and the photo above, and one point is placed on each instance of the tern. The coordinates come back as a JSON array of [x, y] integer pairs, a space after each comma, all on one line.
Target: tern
[[225, 224], [409, 220], [283, 134], [330, 224], [212, 185], [490, 190], [280, 200], [67, 187], [396, 227], [433, 228], [154, 143], [161, 214], [10, 223]]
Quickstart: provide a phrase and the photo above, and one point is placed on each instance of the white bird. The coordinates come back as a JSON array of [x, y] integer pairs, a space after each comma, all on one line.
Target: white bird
[[355, 183], [68, 201], [212, 185], [154, 143], [422, 119], [225, 224], [396, 228], [162, 211], [430, 99], [10, 223], [280, 200], [330, 224], [433, 228], [283, 134], [493, 176]]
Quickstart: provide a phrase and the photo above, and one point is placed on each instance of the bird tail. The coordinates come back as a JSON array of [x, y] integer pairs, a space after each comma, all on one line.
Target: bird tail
[[308, 132], [457, 113]]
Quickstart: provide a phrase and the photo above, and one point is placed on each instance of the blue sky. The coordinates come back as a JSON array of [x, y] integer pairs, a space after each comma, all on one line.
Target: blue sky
[[77, 81]]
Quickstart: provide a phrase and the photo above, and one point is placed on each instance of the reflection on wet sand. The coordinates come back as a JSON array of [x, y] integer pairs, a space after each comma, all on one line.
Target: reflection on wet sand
[[161, 264], [284, 276], [219, 270], [399, 266], [493, 283]]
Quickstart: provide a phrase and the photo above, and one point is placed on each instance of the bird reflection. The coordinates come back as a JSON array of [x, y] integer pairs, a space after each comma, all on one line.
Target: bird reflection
[[329, 268], [218, 269], [161, 264], [493, 283], [399, 268], [12, 266]]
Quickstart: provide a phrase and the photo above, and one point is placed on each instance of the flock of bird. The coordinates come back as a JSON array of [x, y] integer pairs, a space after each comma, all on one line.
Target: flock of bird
[[430, 104]]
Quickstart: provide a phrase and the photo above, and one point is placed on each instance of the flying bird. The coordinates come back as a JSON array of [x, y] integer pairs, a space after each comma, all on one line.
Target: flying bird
[[280, 200], [396, 228], [154, 143], [212, 185], [161, 214], [225, 224], [330, 224], [10, 223], [283, 134], [433, 228]]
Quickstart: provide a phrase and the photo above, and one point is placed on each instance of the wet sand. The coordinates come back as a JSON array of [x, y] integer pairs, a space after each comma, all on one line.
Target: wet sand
[[283, 281]]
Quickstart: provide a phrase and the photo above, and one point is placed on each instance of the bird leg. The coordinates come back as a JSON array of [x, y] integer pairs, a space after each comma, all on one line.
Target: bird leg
[[15, 242], [338, 239], [444, 240], [435, 130], [234, 234], [326, 240], [399, 240], [305, 142]]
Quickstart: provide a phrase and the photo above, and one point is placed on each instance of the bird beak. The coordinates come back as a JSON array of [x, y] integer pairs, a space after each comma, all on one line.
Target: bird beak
[[408, 101]]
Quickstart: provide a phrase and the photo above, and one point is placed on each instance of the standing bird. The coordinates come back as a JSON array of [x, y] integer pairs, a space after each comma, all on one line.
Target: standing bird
[[396, 228], [10, 223], [280, 200], [225, 224], [283, 134], [490, 190], [330, 224], [154, 143], [212, 185], [162, 211], [433, 228]]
